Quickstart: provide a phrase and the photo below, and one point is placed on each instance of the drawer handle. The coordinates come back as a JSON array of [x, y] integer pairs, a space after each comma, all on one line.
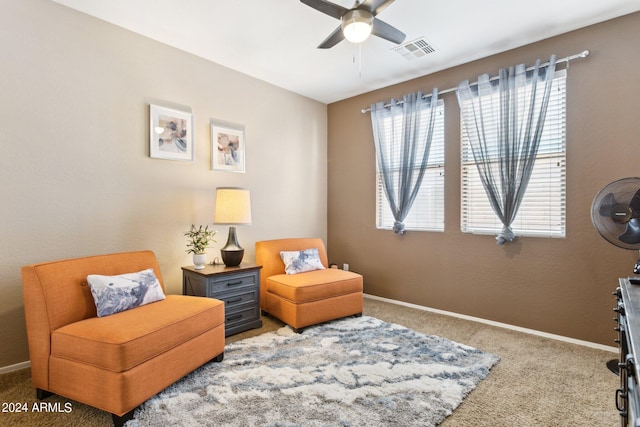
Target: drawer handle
[[231, 301], [237, 282], [232, 318], [621, 396]]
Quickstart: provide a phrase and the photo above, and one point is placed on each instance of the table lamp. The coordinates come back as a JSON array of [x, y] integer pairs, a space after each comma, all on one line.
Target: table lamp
[[233, 207]]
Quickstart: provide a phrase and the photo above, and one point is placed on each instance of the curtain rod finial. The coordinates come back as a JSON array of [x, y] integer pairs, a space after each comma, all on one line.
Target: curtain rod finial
[[585, 53]]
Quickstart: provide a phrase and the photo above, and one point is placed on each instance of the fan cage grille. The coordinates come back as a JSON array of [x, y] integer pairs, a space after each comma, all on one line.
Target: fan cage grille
[[623, 191]]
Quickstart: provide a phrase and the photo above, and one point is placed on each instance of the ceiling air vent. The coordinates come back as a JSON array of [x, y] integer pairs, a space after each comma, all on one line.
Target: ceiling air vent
[[415, 49]]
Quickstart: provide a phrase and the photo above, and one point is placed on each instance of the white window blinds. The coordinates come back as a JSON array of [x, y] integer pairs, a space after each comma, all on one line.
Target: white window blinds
[[427, 212], [542, 212]]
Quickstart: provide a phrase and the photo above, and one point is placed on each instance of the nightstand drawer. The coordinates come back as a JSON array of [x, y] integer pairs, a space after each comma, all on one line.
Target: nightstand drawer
[[232, 282], [240, 317], [236, 299]]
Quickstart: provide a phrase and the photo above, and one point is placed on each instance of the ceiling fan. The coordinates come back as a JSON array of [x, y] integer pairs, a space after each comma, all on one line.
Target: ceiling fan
[[358, 22]]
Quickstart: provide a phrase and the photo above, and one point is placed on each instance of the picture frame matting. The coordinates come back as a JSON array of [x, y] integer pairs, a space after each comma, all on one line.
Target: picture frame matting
[[170, 133], [228, 146]]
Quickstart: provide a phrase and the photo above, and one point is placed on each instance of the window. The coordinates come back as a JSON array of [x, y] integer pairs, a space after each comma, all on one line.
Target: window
[[427, 212], [542, 212]]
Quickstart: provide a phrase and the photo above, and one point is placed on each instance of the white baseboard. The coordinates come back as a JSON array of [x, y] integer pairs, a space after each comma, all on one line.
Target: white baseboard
[[498, 324], [16, 367], [26, 364]]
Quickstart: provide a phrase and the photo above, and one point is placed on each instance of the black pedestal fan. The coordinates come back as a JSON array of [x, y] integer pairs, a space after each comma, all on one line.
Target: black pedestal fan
[[615, 213]]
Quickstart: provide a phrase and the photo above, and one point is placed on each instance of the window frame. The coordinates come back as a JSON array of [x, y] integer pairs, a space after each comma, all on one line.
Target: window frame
[[420, 218], [549, 223]]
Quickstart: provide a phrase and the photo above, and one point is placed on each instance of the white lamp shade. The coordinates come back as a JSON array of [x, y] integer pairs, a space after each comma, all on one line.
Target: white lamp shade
[[233, 206], [356, 25]]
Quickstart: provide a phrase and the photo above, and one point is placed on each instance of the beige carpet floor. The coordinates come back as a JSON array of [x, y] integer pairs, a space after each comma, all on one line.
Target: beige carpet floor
[[538, 382]]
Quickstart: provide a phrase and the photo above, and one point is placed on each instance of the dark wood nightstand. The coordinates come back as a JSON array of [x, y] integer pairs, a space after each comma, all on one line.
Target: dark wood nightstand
[[238, 287]]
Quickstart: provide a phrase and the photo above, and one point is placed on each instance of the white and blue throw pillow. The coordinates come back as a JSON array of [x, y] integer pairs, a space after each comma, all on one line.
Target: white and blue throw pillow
[[300, 261], [113, 294]]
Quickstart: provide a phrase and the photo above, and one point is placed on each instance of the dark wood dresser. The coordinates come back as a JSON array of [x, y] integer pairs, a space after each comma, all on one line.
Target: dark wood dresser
[[628, 318]]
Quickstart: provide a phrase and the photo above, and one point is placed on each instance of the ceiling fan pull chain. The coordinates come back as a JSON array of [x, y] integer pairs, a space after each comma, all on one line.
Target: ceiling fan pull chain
[[360, 61]]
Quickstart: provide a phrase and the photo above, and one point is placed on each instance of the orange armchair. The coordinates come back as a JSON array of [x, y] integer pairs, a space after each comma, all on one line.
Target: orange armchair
[[307, 298]]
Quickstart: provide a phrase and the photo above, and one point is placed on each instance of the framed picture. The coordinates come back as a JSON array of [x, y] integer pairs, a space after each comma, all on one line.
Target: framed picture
[[170, 133], [228, 148]]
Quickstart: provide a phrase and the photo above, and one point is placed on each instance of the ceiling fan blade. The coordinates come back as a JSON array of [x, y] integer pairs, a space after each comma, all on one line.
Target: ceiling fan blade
[[375, 6], [334, 38], [326, 7], [387, 32], [631, 235]]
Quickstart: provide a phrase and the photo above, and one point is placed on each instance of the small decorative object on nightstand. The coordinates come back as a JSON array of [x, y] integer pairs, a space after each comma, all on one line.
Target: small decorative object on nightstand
[[199, 239], [238, 287]]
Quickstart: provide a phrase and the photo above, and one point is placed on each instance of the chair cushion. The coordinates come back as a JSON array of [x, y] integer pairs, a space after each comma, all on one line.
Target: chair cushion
[[314, 285], [124, 340]]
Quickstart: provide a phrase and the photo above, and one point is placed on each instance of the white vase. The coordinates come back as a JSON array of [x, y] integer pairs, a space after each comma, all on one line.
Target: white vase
[[199, 260]]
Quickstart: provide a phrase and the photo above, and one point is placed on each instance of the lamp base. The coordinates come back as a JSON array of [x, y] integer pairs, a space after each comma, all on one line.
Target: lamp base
[[232, 253], [232, 258]]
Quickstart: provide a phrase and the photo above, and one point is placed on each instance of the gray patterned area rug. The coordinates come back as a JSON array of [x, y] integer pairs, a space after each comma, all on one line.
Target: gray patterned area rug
[[350, 372]]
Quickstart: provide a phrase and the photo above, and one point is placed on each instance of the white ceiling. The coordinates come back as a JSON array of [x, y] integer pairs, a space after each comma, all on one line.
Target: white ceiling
[[275, 40]]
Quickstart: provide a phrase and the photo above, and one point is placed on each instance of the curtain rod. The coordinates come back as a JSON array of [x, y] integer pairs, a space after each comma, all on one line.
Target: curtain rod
[[566, 59]]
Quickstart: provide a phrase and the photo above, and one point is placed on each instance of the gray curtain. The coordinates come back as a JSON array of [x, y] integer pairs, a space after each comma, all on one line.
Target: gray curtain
[[505, 155], [402, 134]]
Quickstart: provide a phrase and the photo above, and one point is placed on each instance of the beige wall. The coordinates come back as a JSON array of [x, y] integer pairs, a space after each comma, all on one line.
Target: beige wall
[[77, 179], [74, 165], [560, 286]]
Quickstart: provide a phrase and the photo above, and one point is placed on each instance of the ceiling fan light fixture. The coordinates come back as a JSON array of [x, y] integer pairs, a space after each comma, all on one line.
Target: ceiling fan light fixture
[[357, 25]]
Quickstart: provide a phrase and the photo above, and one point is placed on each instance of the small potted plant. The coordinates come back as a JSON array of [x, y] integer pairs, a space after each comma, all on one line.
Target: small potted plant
[[199, 240]]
